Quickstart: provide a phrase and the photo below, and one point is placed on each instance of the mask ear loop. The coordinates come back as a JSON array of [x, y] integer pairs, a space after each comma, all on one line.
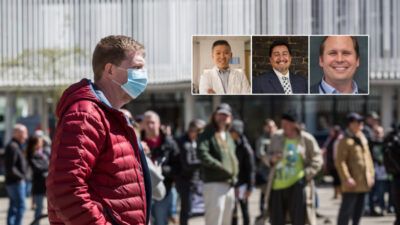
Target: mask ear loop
[[116, 82]]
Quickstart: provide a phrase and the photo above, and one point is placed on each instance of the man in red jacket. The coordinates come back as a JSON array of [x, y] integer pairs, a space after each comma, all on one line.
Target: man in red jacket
[[98, 173]]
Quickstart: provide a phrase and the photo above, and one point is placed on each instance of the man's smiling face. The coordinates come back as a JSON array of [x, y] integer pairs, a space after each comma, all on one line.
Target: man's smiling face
[[280, 59], [339, 59], [221, 55]]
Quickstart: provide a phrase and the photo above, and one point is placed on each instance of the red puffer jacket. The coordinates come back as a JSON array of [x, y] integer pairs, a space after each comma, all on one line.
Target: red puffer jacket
[[95, 174]]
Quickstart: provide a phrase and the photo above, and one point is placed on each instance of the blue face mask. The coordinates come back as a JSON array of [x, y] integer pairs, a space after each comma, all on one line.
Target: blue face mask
[[137, 82]]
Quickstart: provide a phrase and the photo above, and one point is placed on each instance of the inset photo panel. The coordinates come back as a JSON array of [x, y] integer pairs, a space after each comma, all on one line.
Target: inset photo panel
[[280, 65], [339, 65], [221, 65]]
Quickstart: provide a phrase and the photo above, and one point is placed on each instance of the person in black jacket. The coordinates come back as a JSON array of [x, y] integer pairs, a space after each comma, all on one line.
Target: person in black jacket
[[16, 168], [391, 161], [38, 160], [247, 169], [164, 151], [189, 178]]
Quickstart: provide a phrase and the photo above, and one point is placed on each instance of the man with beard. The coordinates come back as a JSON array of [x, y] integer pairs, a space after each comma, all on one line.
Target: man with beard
[[280, 79], [216, 150], [339, 57]]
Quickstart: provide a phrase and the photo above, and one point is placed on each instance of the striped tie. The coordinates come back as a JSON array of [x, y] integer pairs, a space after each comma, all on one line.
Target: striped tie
[[286, 85]]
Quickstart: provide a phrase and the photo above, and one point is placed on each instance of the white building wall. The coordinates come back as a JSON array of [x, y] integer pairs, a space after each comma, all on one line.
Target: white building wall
[[49, 42]]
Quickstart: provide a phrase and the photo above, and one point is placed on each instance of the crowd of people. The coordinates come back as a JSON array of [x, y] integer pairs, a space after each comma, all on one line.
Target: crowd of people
[[213, 169], [26, 165]]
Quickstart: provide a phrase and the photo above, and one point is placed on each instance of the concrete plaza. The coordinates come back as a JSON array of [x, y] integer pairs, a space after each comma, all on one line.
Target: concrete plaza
[[328, 208]]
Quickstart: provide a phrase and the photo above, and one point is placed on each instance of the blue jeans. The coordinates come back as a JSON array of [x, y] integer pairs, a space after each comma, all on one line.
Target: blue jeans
[[28, 187], [38, 200], [161, 210], [174, 210], [382, 186], [16, 193]]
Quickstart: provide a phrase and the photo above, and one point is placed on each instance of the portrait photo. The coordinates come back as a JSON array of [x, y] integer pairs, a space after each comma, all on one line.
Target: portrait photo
[[280, 65], [221, 65], [339, 65]]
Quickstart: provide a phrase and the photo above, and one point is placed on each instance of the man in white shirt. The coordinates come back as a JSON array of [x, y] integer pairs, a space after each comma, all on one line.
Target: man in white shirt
[[222, 79]]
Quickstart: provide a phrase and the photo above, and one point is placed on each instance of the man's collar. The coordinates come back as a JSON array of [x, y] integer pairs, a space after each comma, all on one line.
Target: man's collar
[[280, 75], [99, 94], [325, 88], [222, 71]]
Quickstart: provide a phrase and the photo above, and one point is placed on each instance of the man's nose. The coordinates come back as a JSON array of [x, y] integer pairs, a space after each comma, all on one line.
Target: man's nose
[[339, 57]]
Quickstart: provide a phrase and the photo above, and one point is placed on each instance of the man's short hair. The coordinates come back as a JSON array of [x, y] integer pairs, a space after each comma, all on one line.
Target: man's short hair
[[268, 121], [112, 49], [355, 45], [19, 127], [151, 114], [220, 42], [277, 43]]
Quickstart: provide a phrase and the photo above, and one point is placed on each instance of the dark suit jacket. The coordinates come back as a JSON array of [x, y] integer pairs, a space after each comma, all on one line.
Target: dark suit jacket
[[314, 89], [268, 82]]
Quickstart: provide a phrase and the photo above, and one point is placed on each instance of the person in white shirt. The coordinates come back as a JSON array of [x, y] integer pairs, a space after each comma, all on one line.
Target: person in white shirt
[[222, 79]]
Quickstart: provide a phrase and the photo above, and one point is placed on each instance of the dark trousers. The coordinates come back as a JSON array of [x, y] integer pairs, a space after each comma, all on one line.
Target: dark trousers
[[372, 199], [183, 189], [262, 203], [244, 206], [352, 207], [292, 200], [396, 197]]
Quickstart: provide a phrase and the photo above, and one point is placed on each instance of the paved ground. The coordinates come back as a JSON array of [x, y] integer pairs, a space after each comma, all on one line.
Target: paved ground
[[328, 207]]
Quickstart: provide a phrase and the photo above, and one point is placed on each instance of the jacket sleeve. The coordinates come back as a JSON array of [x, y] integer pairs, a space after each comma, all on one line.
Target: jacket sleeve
[[245, 84], [341, 158], [172, 165], [10, 161], [369, 163], [39, 165], [203, 86], [250, 167], [157, 185], [206, 158], [315, 158], [188, 159], [78, 143]]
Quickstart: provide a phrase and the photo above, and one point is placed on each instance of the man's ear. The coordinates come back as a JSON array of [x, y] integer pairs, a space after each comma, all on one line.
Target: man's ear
[[321, 61], [108, 69]]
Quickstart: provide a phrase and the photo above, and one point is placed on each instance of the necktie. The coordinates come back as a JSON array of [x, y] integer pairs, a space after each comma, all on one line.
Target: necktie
[[286, 85]]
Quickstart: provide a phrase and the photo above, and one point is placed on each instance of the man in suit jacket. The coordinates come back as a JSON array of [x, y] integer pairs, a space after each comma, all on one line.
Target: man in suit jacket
[[280, 79]]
